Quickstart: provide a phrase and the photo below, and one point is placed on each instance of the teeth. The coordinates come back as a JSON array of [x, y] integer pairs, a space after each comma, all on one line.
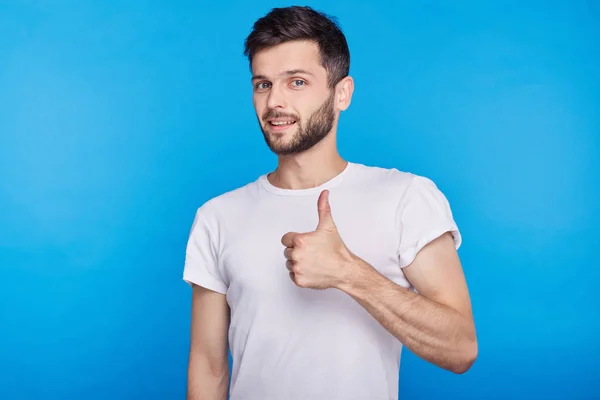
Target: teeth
[[282, 122]]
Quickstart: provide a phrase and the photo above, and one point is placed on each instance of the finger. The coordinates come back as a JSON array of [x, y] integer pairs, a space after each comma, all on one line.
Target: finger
[[288, 253], [324, 210], [289, 265], [288, 239]]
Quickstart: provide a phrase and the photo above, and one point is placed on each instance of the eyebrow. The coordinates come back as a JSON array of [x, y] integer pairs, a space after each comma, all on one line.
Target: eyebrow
[[286, 73]]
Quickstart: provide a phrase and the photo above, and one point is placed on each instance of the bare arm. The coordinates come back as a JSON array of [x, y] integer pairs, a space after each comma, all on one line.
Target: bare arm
[[208, 370], [436, 324]]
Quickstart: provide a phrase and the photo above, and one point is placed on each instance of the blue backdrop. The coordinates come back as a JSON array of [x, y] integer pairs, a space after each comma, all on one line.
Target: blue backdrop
[[118, 119]]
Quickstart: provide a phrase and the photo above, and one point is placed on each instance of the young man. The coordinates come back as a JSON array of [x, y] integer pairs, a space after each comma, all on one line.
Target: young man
[[317, 274]]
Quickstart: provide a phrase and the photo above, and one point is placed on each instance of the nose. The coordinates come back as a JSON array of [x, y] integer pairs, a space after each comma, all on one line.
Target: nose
[[276, 98]]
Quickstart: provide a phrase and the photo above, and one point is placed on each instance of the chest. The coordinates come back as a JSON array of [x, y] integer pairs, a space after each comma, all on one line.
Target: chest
[[253, 261]]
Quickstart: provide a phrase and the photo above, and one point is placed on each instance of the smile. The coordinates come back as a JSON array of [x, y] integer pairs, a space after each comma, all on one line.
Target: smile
[[281, 123]]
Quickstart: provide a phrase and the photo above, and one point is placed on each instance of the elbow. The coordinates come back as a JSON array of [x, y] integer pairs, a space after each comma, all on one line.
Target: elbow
[[465, 361]]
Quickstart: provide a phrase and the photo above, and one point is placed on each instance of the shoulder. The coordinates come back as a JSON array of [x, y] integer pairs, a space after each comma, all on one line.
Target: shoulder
[[227, 203], [401, 183], [408, 192]]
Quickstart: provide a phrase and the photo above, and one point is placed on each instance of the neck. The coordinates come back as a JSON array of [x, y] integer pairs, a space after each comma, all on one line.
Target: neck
[[309, 169]]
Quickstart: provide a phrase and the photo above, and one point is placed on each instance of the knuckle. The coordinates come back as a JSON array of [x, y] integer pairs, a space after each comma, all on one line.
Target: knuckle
[[295, 267], [295, 254], [299, 281], [298, 241]]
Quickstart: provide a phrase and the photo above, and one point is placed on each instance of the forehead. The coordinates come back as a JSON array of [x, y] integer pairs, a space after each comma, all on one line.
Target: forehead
[[288, 56]]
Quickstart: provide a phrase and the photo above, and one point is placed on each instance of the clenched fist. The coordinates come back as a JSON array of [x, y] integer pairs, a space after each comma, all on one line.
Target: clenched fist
[[319, 259]]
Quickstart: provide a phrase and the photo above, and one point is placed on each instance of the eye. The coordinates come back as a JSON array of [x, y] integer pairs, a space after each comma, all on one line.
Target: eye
[[262, 85], [298, 83]]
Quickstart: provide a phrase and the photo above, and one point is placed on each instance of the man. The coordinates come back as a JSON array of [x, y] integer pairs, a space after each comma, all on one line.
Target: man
[[317, 274]]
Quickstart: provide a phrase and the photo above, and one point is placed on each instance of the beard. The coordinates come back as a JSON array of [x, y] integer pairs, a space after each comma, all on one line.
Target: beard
[[318, 126]]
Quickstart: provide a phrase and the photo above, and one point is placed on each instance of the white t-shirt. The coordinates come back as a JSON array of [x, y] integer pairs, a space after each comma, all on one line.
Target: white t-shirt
[[292, 343]]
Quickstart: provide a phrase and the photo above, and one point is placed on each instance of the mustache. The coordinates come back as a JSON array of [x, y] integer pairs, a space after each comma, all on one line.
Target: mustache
[[278, 114]]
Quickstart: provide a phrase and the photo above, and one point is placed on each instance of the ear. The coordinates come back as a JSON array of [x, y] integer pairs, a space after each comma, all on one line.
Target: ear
[[344, 89]]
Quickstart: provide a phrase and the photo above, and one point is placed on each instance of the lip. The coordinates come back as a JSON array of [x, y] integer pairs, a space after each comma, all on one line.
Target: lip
[[280, 128]]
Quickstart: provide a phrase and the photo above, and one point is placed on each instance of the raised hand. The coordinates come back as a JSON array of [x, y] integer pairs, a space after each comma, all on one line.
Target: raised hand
[[318, 259]]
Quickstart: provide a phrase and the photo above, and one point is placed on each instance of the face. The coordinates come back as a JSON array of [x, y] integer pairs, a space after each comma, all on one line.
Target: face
[[294, 105]]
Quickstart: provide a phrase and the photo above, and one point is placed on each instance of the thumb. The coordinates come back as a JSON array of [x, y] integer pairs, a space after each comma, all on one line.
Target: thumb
[[324, 208]]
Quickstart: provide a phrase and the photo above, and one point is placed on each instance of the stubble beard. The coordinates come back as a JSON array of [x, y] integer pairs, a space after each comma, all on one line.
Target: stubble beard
[[317, 128]]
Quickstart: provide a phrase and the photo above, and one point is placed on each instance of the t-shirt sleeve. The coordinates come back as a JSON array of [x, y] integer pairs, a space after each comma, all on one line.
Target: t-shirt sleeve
[[201, 257], [424, 214]]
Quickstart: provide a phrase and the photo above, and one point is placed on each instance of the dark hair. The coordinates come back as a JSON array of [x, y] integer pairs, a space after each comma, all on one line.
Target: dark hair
[[282, 25]]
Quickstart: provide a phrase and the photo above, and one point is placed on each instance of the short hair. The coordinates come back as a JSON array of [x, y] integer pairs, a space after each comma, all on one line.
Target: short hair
[[287, 24]]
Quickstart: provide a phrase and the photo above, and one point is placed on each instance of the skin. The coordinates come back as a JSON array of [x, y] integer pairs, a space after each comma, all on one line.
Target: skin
[[276, 91], [208, 369], [436, 324]]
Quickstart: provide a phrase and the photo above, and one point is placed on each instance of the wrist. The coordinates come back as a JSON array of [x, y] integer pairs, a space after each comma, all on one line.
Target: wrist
[[355, 272]]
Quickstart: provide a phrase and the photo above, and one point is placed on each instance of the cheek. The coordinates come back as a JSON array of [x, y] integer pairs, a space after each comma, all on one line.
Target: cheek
[[259, 106], [308, 107]]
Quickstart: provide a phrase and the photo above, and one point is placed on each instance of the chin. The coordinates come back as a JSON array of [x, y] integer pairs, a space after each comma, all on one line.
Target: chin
[[281, 149], [281, 139]]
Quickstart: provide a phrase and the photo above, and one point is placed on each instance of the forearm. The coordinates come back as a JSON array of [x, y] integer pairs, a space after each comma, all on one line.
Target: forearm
[[434, 332], [205, 383]]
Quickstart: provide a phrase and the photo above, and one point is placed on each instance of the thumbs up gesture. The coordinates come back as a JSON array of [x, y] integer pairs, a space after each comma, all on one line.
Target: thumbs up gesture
[[318, 259]]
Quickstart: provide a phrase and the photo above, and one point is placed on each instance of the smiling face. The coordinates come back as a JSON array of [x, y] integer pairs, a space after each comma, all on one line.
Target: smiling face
[[294, 105]]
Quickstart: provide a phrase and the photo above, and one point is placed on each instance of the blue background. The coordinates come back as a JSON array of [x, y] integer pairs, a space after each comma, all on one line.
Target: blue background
[[118, 119]]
